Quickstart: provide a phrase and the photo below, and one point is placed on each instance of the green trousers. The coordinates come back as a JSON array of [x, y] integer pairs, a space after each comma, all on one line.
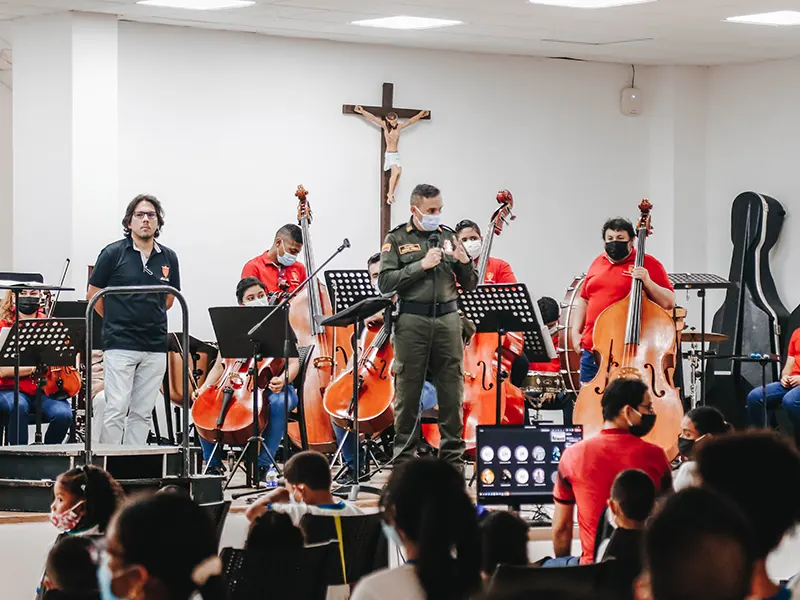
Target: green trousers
[[433, 346]]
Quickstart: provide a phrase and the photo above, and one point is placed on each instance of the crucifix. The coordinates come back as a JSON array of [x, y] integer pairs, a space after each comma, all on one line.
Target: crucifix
[[386, 116]]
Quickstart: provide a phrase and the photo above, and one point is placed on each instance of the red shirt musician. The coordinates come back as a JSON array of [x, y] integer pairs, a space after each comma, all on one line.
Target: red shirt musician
[[497, 270], [278, 268], [608, 281]]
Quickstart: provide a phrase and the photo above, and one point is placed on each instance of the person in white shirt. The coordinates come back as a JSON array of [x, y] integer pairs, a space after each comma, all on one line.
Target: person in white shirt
[[307, 491], [428, 514]]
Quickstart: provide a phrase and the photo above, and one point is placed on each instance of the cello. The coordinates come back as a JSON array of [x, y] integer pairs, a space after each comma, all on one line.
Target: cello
[[311, 302], [480, 357], [636, 338], [61, 382]]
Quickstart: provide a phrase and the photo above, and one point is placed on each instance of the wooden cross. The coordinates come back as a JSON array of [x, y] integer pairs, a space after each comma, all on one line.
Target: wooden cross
[[381, 111]]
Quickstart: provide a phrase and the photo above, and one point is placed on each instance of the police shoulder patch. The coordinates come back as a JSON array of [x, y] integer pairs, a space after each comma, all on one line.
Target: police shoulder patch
[[406, 248], [386, 247]]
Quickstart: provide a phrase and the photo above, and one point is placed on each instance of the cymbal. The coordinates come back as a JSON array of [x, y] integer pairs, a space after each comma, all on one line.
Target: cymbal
[[690, 337]]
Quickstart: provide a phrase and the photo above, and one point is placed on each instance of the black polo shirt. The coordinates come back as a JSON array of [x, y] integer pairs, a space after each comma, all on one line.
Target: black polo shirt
[[135, 321]]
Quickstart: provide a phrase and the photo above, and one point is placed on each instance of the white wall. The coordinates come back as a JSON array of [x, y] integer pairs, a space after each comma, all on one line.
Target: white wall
[[224, 126], [6, 167], [754, 144]]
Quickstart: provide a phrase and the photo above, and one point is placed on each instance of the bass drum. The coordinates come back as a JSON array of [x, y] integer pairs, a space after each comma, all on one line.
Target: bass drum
[[570, 356]]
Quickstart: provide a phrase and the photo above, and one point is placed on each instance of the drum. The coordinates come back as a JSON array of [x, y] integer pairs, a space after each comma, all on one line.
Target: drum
[[570, 356], [543, 382]]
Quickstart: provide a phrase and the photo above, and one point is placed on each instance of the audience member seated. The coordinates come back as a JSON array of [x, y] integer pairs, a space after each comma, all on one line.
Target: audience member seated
[[588, 469], [158, 548], [632, 498], [174, 489], [504, 541], [785, 392], [428, 514], [273, 532], [84, 500], [699, 546], [759, 471], [307, 491], [698, 426], [71, 572]]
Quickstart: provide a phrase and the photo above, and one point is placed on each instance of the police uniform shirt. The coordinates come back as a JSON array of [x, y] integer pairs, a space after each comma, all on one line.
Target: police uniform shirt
[[135, 321]]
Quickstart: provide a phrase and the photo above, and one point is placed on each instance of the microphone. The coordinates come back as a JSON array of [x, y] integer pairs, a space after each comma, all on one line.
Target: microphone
[[434, 240], [345, 244]]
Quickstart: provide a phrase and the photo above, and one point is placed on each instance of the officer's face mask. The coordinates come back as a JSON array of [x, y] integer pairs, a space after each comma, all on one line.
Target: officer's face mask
[[428, 222]]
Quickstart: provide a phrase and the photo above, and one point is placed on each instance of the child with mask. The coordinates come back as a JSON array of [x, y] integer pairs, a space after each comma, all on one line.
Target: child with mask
[[71, 573], [698, 426], [307, 490]]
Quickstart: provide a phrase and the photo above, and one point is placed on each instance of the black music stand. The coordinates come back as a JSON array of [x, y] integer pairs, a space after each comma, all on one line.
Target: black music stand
[[503, 308], [764, 360], [50, 342], [700, 282], [231, 326], [356, 315], [346, 288]]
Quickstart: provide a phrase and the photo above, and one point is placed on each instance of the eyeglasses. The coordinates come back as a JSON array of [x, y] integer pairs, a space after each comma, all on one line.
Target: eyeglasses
[[141, 214]]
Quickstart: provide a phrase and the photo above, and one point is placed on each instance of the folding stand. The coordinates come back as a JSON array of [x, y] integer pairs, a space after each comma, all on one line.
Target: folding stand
[[764, 360], [231, 326], [42, 343], [356, 314]]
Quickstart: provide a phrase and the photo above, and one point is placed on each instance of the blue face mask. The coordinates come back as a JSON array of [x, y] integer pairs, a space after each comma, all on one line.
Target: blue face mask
[[286, 259], [104, 579], [429, 222], [390, 533]]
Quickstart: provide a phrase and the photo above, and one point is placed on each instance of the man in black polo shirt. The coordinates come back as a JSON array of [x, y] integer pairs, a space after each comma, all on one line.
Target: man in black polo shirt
[[135, 325]]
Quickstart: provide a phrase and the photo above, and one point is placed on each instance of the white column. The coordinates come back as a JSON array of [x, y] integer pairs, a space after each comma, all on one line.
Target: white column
[[6, 206], [65, 142]]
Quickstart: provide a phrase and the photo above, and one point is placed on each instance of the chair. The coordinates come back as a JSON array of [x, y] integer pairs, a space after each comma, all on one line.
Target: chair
[[583, 580], [219, 513], [299, 415], [303, 575], [365, 547]]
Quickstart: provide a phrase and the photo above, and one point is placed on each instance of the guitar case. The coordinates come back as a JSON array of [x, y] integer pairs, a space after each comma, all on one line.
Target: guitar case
[[752, 316]]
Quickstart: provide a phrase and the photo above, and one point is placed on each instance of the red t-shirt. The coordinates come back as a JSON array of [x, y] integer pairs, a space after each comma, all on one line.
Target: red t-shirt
[[794, 351], [554, 366], [266, 271], [587, 471], [499, 271], [607, 283], [26, 384]]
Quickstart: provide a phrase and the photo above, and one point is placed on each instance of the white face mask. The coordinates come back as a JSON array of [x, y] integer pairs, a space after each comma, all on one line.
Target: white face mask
[[553, 330], [258, 302], [473, 248], [375, 285]]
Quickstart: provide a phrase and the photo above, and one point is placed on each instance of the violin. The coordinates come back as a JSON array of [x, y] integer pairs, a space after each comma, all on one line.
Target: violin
[[636, 338], [480, 357], [228, 404], [63, 382]]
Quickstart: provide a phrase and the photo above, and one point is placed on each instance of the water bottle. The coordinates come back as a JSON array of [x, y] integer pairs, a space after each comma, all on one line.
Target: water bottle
[[272, 477]]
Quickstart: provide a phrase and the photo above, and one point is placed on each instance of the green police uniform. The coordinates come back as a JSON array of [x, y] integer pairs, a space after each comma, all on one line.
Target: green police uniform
[[427, 335]]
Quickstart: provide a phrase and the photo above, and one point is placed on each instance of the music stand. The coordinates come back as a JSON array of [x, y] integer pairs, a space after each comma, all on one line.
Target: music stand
[[50, 342], [764, 360], [503, 308], [355, 315], [231, 326], [347, 288], [700, 282]]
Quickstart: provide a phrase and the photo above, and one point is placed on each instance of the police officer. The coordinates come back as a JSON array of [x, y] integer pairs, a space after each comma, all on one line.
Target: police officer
[[421, 261]]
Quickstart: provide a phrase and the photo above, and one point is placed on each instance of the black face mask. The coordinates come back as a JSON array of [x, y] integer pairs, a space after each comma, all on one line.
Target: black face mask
[[644, 427], [28, 305], [617, 250], [685, 447]]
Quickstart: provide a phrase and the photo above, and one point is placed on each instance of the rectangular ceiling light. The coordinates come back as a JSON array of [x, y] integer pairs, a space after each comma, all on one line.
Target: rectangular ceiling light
[[198, 4], [781, 17], [404, 22], [589, 3]]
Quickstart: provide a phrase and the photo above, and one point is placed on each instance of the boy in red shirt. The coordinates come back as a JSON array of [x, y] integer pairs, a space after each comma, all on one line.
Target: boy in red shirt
[[278, 267], [587, 470], [786, 391], [608, 281]]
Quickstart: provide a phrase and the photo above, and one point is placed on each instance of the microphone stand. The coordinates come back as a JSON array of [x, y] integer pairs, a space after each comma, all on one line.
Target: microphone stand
[[283, 306]]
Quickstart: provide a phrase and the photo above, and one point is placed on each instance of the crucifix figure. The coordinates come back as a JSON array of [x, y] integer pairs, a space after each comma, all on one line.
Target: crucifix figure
[[387, 118]]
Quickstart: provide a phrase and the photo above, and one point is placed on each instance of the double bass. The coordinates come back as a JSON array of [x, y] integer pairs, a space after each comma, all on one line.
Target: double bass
[[311, 302], [635, 338], [480, 357]]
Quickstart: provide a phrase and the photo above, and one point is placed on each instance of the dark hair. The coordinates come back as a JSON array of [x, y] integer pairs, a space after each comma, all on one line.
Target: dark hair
[[708, 419], [504, 541], [131, 208], [699, 545], [174, 489], [619, 224], [273, 532], [70, 565], [375, 258], [426, 500], [291, 231], [100, 492], [245, 284], [620, 393], [422, 191], [636, 494], [549, 308], [467, 224], [759, 471], [169, 535], [309, 468]]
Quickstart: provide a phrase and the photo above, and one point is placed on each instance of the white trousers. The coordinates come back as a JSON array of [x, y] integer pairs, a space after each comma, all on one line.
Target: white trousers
[[132, 380]]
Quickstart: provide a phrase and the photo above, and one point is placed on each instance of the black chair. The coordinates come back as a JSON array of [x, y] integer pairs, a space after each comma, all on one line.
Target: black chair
[[301, 574], [585, 580], [365, 548], [219, 513], [299, 416]]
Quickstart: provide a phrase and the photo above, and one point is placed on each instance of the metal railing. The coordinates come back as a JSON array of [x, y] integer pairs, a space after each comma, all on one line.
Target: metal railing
[[139, 289]]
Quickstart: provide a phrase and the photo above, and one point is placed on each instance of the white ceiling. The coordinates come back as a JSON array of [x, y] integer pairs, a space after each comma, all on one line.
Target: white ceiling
[[663, 32]]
